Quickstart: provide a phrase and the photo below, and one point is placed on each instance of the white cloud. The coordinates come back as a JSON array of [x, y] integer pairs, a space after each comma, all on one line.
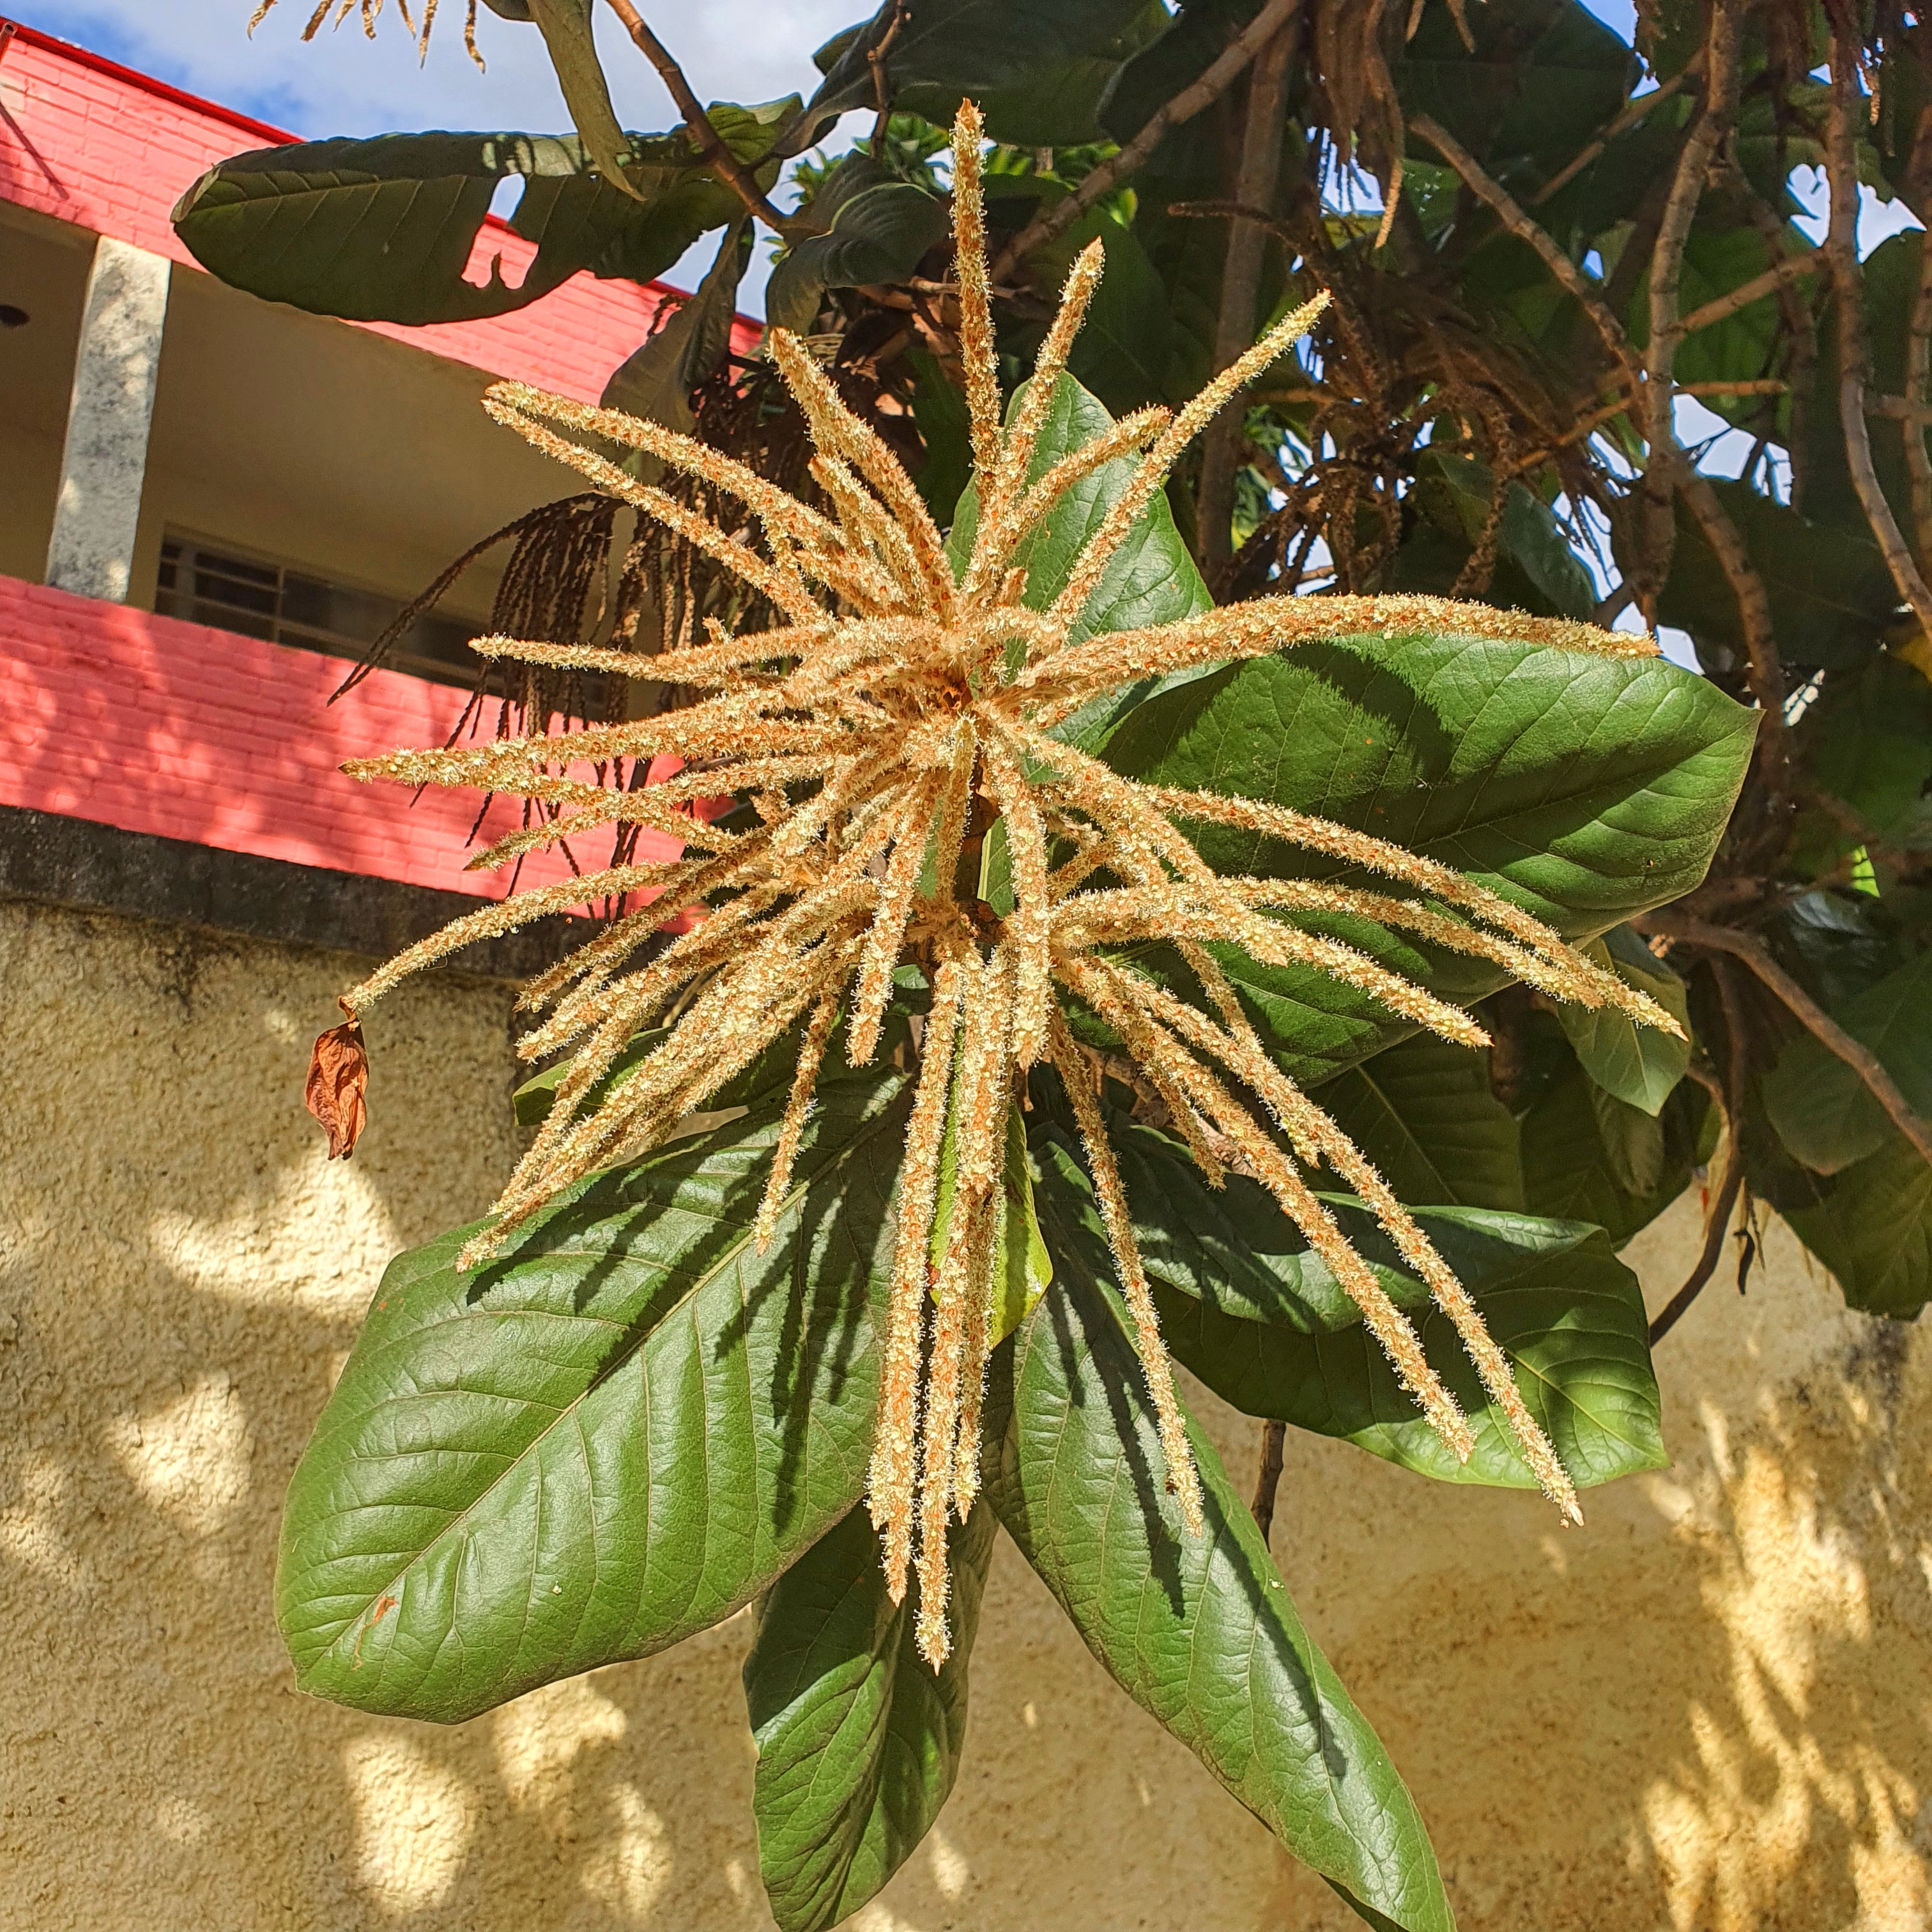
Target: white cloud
[[342, 83]]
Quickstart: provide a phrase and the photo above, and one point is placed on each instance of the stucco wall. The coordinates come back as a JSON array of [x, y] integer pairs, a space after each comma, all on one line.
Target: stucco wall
[[1707, 1712]]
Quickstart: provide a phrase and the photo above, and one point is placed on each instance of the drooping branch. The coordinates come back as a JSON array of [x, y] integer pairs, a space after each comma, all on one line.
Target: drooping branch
[[1859, 1057], [1631, 113], [1804, 262], [1226, 69], [723, 164], [1241, 284], [1841, 246]]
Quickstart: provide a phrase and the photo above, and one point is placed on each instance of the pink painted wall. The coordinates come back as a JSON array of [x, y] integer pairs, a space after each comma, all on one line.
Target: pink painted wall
[[153, 725], [87, 142]]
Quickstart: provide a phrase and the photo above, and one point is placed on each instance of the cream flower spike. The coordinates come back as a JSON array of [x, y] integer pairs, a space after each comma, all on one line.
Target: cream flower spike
[[886, 716]]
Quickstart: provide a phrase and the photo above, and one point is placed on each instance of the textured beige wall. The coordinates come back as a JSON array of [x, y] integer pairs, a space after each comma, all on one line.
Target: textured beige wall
[[1708, 1711]]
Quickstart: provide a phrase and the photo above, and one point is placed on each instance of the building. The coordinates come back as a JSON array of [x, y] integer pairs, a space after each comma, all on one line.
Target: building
[[209, 505]]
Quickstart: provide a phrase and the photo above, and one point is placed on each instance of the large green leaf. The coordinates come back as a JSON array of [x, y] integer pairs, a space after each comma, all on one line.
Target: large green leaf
[[615, 1437], [568, 27], [1038, 69], [382, 229], [1198, 1630], [1870, 741], [879, 228], [1822, 1110], [1262, 1322], [858, 1740], [1640, 1065], [1588, 1157], [1586, 788], [1871, 1225], [1423, 1111], [1830, 593]]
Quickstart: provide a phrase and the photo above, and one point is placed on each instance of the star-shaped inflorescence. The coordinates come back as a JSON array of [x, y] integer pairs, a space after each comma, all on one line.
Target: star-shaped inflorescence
[[895, 711]]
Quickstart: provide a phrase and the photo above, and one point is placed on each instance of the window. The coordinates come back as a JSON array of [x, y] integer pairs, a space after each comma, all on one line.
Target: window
[[207, 583]]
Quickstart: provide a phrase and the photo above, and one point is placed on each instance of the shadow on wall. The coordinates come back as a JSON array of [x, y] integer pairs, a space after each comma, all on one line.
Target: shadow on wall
[[1708, 1711]]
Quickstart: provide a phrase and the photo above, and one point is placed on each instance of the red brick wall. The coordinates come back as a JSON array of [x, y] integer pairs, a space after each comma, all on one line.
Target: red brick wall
[[155, 725], [110, 151]]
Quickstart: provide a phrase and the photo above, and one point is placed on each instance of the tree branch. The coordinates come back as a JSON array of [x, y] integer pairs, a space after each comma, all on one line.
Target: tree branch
[[1525, 228], [1631, 113], [1185, 105], [1841, 244], [1859, 1057], [1267, 1476], [1241, 284], [724, 164], [1755, 290]]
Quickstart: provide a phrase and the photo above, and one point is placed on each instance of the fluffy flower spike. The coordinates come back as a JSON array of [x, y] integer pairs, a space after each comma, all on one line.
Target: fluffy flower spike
[[894, 713]]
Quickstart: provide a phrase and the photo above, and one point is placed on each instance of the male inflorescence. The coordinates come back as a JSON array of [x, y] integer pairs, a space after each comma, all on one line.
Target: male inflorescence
[[896, 707]]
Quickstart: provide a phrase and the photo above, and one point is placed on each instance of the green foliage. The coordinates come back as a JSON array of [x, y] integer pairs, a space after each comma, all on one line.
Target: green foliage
[[1263, 1322], [879, 226], [1197, 1631], [382, 229], [1588, 791], [655, 383], [859, 1741], [614, 1439], [1639, 1066]]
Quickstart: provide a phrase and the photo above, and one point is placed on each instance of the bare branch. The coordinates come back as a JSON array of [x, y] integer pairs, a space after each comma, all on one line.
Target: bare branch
[[1633, 112], [1780, 271], [1525, 228], [1918, 377], [1859, 1057], [1185, 105], [1241, 284], [1767, 672], [723, 164], [1841, 244]]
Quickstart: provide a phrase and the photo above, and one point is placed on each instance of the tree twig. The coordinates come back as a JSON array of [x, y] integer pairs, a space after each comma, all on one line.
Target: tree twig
[[1241, 282], [1267, 1476], [1841, 244], [1780, 271], [1731, 1176], [1185, 105], [1918, 377], [1525, 228], [1630, 114], [1766, 670], [723, 164], [1859, 1057]]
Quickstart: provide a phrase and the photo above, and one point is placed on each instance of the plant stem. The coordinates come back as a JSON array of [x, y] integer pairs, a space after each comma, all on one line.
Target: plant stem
[[1803, 263], [725, 164], [1185, 105], [1267, 1476], [1241, 282]]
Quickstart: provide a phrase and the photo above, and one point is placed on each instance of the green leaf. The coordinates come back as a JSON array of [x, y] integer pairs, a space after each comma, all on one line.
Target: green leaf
[[1870, 1225], [1823, 1112], [1871, 743], [382, 230], [1197, 1631], [1830, 593], [859, 1741], [1584, 1151], [1122, 352], [656, 381], [1587, 789], [946, 427], [1247, 1307], [1640, 1065], [1527, 534], [614, 1438], [1150, 579], [1026, 1269], [1423, 1111], [566, 27], [1038, 71], [879, 229]]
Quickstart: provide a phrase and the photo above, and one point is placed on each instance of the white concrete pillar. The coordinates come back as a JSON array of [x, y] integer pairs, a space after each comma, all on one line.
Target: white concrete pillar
[[105, 460]]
